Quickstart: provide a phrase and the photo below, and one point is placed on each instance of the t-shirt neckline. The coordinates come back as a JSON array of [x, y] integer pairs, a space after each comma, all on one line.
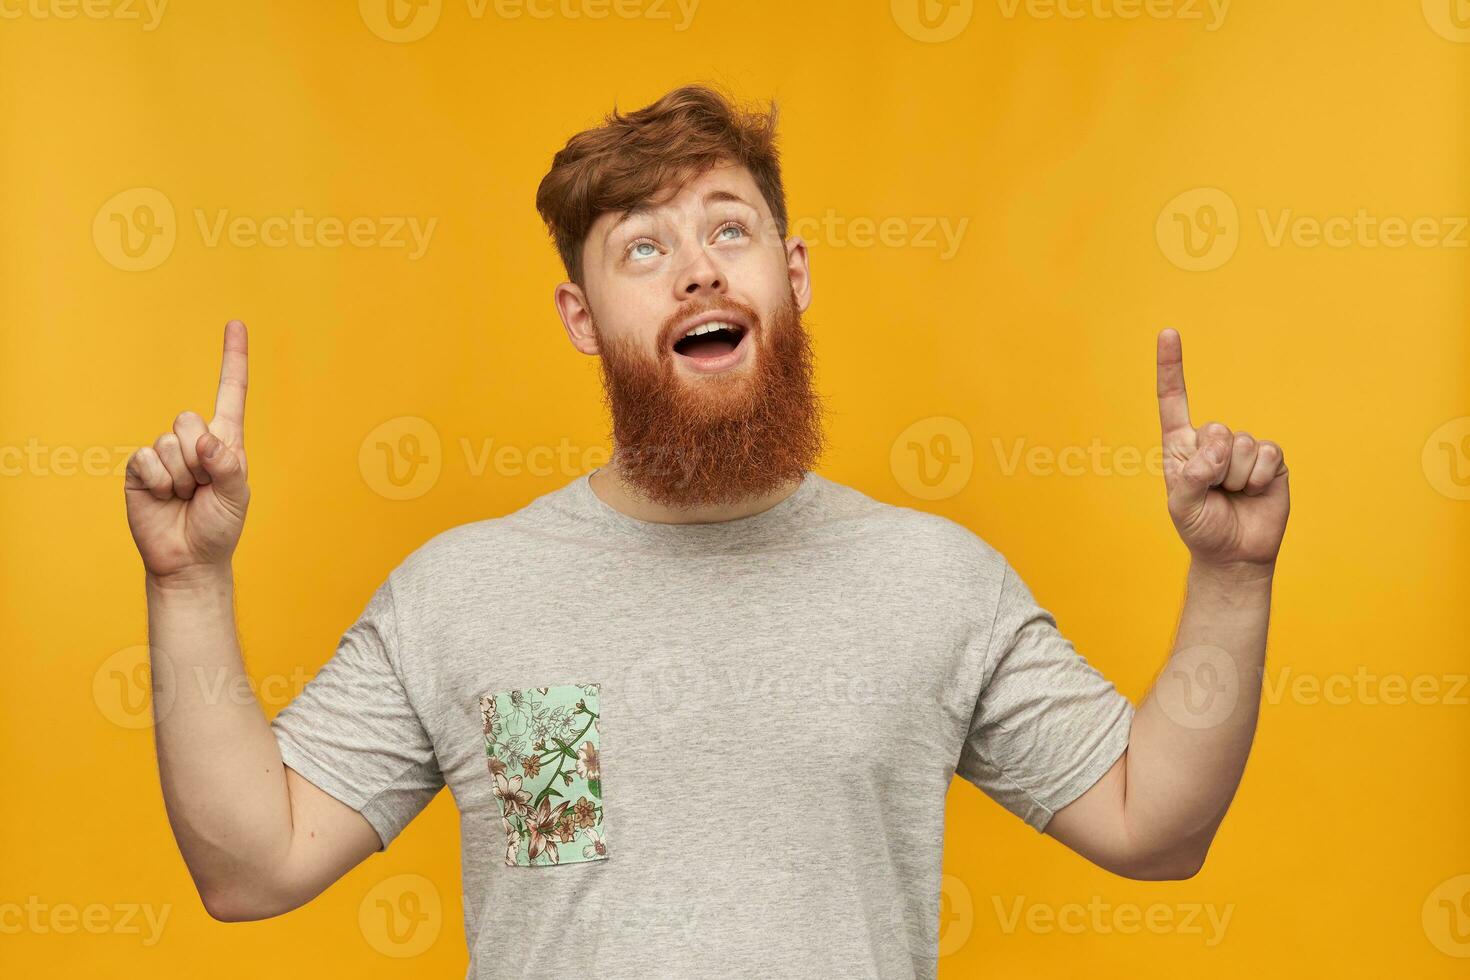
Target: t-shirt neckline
[[740, 530]]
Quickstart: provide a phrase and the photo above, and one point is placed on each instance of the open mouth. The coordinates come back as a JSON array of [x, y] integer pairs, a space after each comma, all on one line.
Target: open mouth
[[711, 341]]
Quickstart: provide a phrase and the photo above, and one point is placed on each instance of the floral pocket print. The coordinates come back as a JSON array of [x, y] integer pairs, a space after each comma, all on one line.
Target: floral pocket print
[[542, 748]]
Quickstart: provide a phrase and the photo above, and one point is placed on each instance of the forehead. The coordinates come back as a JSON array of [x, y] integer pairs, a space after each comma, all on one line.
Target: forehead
[[722, 182]]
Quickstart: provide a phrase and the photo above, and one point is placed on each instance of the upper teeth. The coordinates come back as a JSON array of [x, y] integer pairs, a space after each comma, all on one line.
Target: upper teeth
[[710, 328]]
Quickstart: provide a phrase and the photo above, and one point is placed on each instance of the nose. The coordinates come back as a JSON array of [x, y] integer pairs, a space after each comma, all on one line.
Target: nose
[[701, 277]]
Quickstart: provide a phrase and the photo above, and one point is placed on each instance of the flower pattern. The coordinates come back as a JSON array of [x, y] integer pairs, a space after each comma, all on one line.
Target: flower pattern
[[543, 752]]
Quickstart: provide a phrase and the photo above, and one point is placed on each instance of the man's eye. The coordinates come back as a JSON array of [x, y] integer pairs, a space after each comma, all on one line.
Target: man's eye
[[633, 250], [732, 226]]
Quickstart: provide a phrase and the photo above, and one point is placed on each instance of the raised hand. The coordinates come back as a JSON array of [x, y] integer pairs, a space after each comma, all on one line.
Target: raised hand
[[186, 494], [1228, 491]]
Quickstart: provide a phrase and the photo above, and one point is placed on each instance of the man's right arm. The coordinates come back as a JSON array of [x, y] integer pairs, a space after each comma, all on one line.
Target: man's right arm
[[258, 839]]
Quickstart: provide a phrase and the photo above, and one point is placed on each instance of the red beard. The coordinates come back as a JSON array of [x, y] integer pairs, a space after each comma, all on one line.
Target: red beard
[[714, 439]]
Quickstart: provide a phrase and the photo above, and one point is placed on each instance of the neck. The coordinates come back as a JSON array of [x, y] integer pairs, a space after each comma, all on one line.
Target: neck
[[616, 492]]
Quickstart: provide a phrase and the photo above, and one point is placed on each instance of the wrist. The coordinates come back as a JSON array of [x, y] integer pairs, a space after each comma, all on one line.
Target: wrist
[[1241, 574], [199, 580]]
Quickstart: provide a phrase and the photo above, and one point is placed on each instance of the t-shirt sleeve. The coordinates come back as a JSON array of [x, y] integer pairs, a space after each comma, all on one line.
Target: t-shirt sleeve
[[1047, 724], [352, 731]]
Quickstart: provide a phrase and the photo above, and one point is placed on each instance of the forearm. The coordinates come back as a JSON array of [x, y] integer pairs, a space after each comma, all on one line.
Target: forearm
[[1192, 733], [224, 787]]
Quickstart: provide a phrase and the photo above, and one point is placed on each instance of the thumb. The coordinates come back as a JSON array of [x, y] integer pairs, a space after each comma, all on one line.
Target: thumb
[[223, 466], [1206, 468]]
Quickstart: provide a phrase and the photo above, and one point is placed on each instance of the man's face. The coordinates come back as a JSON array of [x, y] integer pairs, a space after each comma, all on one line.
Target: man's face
[[713, 418]]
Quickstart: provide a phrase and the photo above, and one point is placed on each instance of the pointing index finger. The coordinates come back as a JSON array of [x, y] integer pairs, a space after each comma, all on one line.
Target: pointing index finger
[[1173, 402], [229, 404]]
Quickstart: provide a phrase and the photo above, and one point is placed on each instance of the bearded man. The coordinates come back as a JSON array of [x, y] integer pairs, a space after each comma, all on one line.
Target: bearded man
[[700, 708]]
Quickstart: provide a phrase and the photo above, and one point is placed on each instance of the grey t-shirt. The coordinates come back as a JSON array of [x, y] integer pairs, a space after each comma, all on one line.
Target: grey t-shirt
[[774, 709]]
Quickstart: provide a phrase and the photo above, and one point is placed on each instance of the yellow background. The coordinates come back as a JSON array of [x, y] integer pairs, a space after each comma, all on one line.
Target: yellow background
[[1059, 140]]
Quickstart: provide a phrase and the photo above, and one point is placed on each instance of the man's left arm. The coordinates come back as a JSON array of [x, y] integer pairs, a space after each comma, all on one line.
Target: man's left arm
[[1154, 814]]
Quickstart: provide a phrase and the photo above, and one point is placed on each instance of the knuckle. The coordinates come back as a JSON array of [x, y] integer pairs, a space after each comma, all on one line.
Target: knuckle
[[165, 443]]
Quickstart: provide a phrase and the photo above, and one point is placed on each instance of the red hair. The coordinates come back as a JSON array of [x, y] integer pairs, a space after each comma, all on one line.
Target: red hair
[[631, 157]]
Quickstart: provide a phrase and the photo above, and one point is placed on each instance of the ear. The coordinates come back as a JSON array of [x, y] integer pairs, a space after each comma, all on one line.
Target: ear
[[799, 272], [576, 316]]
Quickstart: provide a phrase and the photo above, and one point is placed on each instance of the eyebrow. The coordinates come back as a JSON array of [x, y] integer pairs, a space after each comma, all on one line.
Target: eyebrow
[[713, 197]]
